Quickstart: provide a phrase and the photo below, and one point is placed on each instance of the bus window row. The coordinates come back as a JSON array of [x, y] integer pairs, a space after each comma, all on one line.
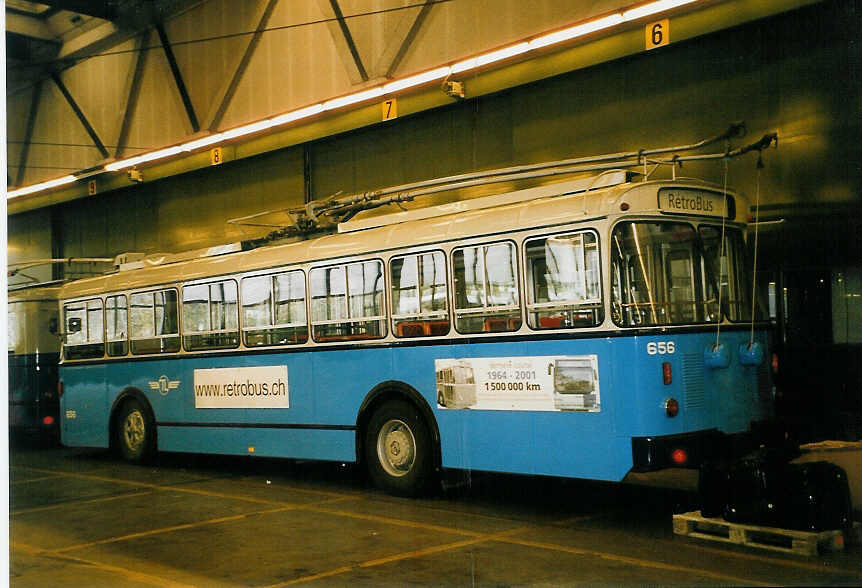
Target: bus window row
[[346, 301]]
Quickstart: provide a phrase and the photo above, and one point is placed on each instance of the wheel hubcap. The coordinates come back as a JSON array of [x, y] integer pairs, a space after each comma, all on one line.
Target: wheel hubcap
[[134, 431], [396, 448]]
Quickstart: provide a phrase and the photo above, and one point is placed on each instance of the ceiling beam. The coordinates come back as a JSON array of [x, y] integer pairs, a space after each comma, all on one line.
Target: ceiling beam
[[95, 40], [105, 9], [29, 26], [178, 77], [348, 38], [133, 91], [226, 92], [409, 38], [28, 136], [80, 114]]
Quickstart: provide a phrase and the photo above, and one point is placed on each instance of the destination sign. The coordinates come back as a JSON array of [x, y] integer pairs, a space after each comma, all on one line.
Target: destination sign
[[691, 201]]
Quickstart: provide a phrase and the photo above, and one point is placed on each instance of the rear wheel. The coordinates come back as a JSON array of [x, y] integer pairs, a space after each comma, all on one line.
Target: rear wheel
[[135, 432], [398, 450]]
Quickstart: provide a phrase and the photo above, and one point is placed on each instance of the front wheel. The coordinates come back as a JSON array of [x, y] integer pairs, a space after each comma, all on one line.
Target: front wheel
[[135, 432], [398, 450]]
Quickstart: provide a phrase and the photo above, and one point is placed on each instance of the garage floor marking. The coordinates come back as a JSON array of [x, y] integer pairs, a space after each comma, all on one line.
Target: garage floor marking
[[632, 561], [129, 574], [393, 521], [197, 491], [63, 505], [822, 567], [399, 557], [170, 529], [42, 479]]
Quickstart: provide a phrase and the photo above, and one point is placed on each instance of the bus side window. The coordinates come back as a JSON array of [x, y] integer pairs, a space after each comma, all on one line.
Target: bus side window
[[153, 322], [420, 306], [273, 309], [116, 325], [486, 289], [347, 302], [85, 336], [210, 316], [564, 287]]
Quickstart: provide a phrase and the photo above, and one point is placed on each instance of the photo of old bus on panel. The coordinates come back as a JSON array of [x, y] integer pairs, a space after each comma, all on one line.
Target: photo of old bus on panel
[[575, 383], [456, 385]]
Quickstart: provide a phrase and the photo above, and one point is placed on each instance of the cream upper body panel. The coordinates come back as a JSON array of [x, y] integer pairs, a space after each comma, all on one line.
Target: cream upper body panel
[[550, 208], [43, 293]]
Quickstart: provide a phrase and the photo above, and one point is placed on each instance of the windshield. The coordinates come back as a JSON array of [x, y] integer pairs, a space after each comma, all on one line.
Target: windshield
[[669, 273]]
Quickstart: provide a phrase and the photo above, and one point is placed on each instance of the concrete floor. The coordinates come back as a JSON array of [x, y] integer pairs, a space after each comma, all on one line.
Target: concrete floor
[[83, 518]]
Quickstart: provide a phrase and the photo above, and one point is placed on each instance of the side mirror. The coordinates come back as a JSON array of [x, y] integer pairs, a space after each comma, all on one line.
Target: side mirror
[[74, 325]]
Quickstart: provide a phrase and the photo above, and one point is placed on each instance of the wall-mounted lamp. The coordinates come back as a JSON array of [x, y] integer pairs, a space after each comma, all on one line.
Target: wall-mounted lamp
[[453, 89]]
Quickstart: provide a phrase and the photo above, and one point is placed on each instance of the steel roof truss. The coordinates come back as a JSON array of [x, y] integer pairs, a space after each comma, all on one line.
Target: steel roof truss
[[80, 114], [178, 77], [134, 90], [226, 92]]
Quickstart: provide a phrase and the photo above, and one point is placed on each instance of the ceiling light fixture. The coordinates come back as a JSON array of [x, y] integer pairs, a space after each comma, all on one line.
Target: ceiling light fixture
[[353, 98], [417, 80], [41, 186], [653, 8]]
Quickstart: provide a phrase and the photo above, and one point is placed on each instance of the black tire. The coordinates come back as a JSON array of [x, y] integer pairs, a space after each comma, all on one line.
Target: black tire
[[135, 432], [398, 450]]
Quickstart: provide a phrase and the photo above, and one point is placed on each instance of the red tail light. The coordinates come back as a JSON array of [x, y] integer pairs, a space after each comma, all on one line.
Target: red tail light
[[671, 407], [679, 457], [774, 363], [667, 373], [48, 421]]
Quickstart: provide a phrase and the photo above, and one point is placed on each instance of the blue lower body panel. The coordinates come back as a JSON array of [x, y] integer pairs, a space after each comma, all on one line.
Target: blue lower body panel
[[559, 407], [326, 445]]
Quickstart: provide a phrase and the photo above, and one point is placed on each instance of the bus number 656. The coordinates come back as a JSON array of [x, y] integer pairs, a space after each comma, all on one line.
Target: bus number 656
[[660, 347]]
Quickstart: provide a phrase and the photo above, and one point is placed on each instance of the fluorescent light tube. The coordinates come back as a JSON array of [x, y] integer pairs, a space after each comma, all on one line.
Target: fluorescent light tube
[[41, 186], [297, 114], [417, 80], [353, 98]]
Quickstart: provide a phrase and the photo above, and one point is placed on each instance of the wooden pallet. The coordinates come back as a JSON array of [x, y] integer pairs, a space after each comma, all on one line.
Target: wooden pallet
[[692, 524]]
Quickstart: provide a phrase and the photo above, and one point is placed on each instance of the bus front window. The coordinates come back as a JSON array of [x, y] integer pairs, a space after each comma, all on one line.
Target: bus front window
[[669, 273], [724, 267]]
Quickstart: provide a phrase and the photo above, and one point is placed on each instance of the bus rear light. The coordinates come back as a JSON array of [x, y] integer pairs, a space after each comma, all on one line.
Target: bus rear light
[[671, 407], [60, 388], [667, 373], [774, 363], [48, 421], [679, 457]]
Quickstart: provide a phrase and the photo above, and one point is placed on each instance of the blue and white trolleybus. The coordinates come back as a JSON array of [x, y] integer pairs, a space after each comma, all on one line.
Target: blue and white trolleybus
[[584, 328]]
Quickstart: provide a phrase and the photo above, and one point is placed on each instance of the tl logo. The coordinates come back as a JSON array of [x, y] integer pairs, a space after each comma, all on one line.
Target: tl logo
[[164, 385]]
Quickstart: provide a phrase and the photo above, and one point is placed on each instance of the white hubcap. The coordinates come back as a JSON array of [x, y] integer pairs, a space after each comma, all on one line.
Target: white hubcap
[[396, 448], [134, 431]]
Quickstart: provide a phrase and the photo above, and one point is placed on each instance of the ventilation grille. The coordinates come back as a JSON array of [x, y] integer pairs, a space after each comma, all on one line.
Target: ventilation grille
[[692, 378]]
